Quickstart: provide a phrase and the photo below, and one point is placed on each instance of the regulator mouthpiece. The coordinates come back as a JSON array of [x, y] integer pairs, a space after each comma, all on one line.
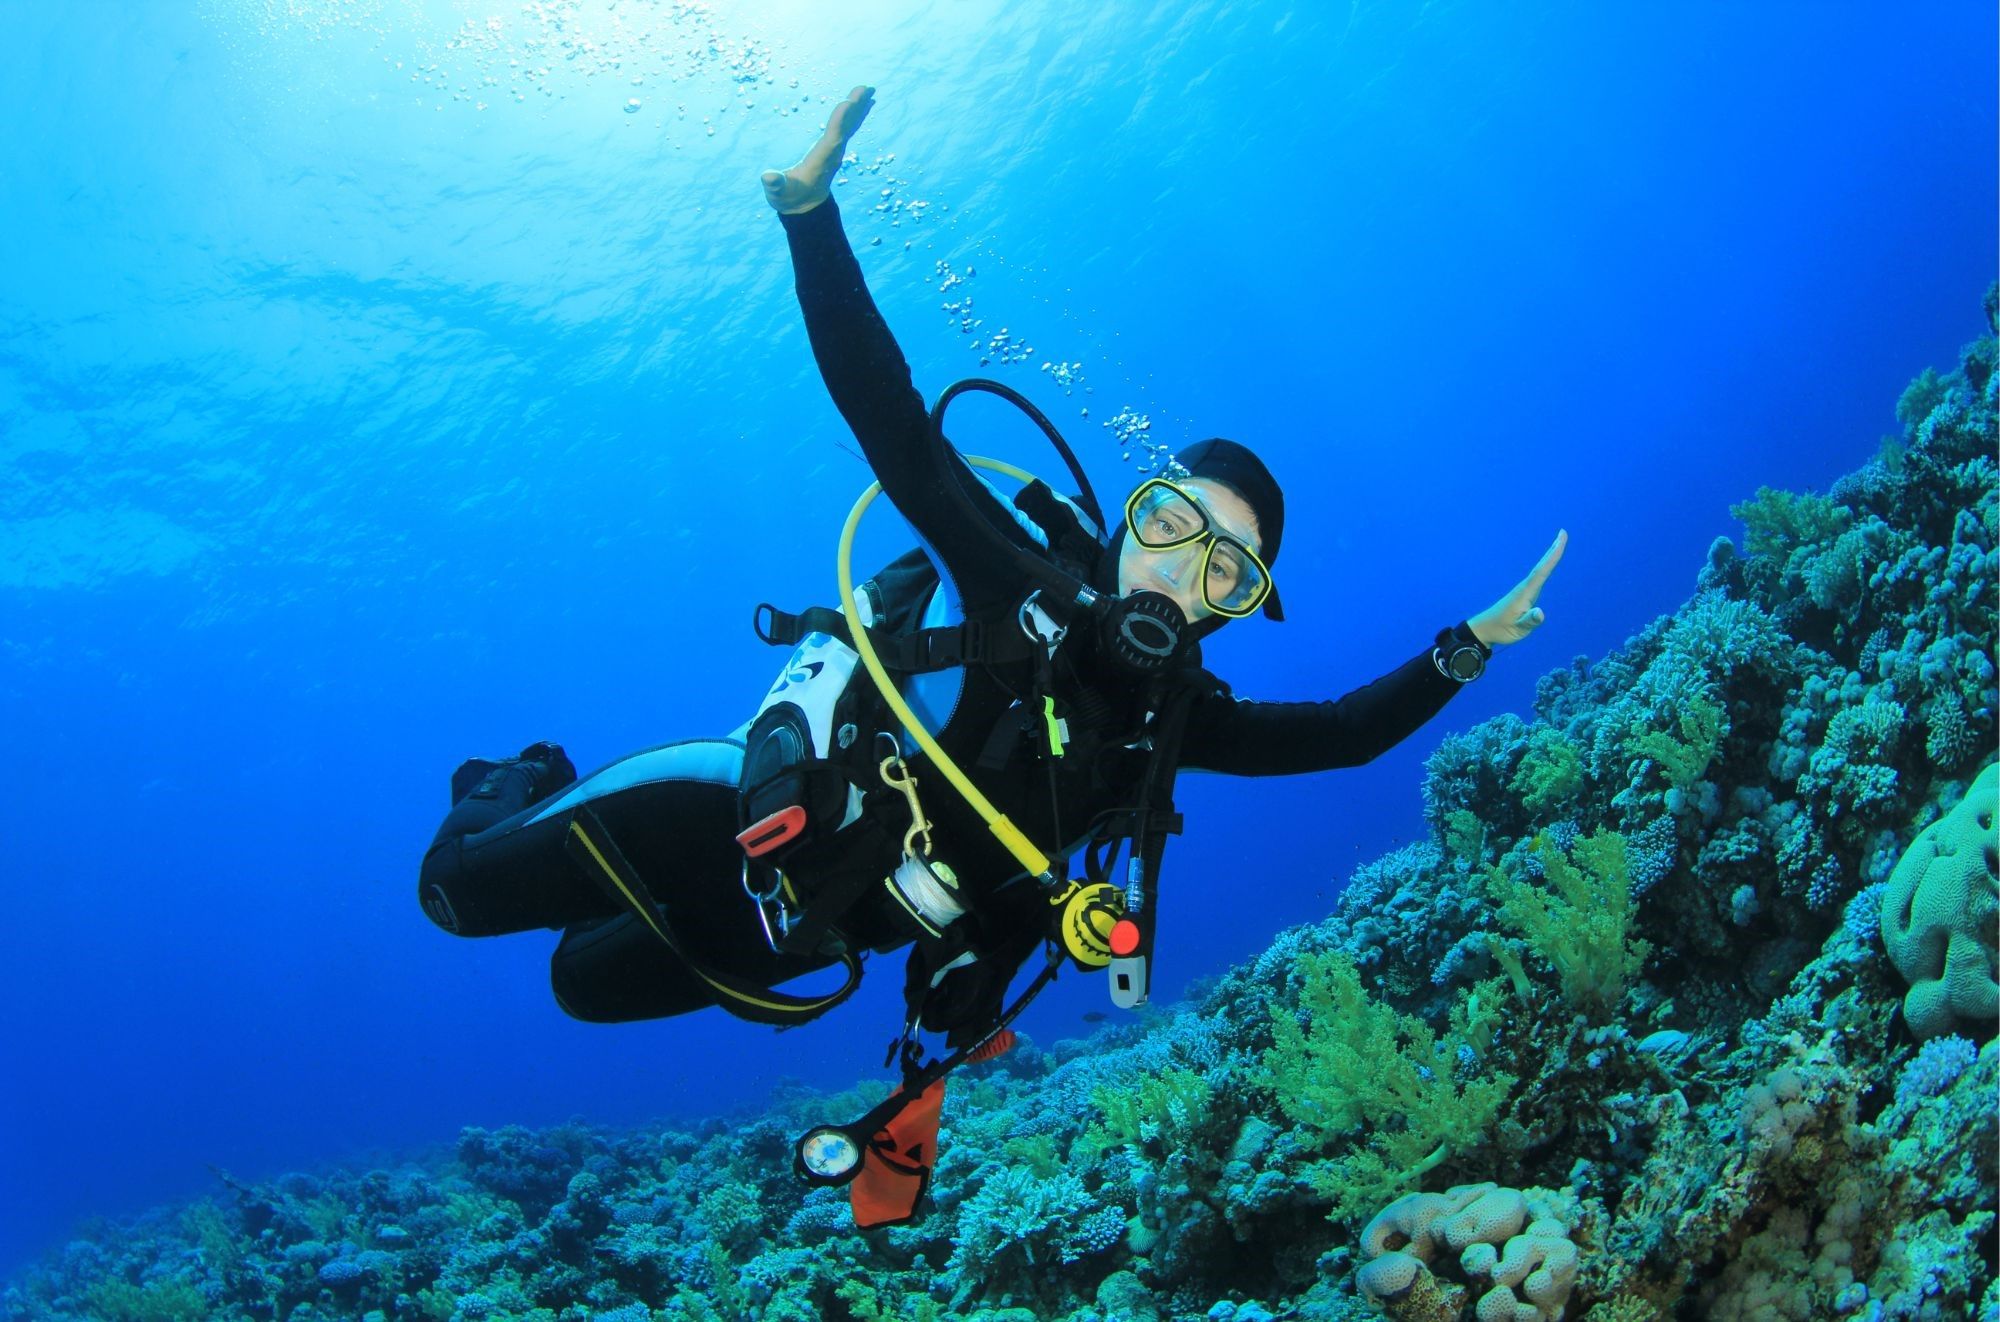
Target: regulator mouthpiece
[[1143, 632]]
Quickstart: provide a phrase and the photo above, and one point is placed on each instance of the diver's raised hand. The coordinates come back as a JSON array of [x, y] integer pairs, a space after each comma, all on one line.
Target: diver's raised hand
[[1516, 615], [808, 183]]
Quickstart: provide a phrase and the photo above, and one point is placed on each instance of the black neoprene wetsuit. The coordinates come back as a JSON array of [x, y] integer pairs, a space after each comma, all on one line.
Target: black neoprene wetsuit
[[497, 866]]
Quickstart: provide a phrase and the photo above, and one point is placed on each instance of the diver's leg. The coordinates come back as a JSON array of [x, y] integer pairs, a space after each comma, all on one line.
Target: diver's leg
[[615, 971], [680, 836], [492, 868]]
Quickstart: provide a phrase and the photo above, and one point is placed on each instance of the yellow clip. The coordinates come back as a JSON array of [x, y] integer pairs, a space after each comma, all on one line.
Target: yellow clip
[[905, 781], [1057, 728]]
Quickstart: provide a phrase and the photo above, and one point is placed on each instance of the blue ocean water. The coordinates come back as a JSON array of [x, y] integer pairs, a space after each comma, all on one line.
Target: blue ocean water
[[383, 383]]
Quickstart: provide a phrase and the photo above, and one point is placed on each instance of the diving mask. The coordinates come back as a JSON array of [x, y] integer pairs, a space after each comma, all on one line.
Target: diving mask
[[1166, 517]]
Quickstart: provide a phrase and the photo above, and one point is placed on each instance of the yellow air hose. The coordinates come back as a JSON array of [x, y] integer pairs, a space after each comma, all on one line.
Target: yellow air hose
[[1009, 835]]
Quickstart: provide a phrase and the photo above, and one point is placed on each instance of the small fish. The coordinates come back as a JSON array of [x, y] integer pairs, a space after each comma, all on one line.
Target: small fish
[[1094, 1016]]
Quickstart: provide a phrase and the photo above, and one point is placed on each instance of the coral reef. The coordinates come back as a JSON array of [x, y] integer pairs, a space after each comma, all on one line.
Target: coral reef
[[1686, 1010]]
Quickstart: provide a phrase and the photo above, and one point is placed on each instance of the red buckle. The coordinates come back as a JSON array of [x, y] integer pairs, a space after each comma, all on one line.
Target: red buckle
[[781, 827], [1124, 937]]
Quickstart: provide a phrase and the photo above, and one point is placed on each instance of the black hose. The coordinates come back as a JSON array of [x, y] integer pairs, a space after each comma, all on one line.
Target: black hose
[[1020, 401]]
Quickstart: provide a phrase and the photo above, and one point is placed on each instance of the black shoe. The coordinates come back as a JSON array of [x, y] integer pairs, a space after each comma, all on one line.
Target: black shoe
[[548, 767], [472, 774]]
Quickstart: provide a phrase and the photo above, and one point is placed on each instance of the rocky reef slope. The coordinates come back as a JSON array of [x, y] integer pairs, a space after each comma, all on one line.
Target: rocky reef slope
[[1685, 1010]]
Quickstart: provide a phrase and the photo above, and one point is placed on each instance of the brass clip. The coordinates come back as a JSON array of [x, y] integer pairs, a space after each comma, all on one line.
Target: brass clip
[[896, 775]]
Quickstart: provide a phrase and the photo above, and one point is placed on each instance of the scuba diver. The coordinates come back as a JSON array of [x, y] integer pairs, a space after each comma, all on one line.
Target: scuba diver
[[1016, 694]]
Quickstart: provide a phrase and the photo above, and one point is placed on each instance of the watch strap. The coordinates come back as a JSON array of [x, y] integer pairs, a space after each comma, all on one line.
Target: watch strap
[[1451, 643]]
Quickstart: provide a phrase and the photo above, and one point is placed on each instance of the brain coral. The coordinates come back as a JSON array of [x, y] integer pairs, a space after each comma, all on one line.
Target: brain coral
[[1521, 1275], [1938, 914]]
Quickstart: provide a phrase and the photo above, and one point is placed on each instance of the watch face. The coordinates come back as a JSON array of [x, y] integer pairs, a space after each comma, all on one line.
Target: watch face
[[1465, 663]]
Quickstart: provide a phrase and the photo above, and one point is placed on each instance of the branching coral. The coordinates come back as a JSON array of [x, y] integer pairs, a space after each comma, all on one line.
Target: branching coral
[[1016, 1213]]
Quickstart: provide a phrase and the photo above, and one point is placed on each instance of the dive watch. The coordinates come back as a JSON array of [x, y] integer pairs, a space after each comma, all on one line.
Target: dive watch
[[1459, 655]]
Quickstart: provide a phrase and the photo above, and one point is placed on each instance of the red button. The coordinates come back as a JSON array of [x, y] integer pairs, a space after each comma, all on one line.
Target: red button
[[1124, 937]]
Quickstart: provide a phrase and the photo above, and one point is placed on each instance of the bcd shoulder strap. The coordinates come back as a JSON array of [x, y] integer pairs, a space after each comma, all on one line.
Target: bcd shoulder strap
[[917, 652], [1072, 537], [899, 591]]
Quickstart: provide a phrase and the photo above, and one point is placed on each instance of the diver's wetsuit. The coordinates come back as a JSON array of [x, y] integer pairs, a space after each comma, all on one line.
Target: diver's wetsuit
[[494, 868]]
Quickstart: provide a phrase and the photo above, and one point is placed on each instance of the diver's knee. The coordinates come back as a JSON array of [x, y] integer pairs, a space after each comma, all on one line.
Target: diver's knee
[[579, 999], [439, 875], [611, 971], [582, 1014]]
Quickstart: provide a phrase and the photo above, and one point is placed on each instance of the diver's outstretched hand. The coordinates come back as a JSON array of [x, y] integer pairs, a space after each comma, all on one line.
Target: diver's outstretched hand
[[808, 183], [1516, 615]]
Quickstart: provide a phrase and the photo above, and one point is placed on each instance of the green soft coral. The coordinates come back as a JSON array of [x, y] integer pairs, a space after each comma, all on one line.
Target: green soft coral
[[161, 1301], [865, 1304], [221, 1247], [1780, 525], [1683, 760], [1174, 1101], [1464, 835], [1580, 922], [1352, 1068], [1550, 771]]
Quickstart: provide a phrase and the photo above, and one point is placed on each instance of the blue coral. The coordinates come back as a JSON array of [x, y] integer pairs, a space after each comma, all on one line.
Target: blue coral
[[1948, 739], [825, 1213], [1098, 1232], [1863, 916], [1935, 1068], [1824, 890], [1651, 853]]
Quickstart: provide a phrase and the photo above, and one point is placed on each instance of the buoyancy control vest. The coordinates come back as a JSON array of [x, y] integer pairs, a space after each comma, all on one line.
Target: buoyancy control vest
[[822, 805]]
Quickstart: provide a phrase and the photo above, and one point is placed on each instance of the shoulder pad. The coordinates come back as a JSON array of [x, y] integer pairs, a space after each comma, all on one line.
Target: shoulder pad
[[1071, 533]]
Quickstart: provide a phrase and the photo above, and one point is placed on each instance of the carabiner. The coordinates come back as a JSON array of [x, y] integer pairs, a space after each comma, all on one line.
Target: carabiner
[[766, 903], [1029, 617], [896, 774]]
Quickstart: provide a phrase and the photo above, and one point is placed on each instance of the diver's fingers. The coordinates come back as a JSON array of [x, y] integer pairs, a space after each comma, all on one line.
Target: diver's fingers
[[847, 116], [1546, 566]]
